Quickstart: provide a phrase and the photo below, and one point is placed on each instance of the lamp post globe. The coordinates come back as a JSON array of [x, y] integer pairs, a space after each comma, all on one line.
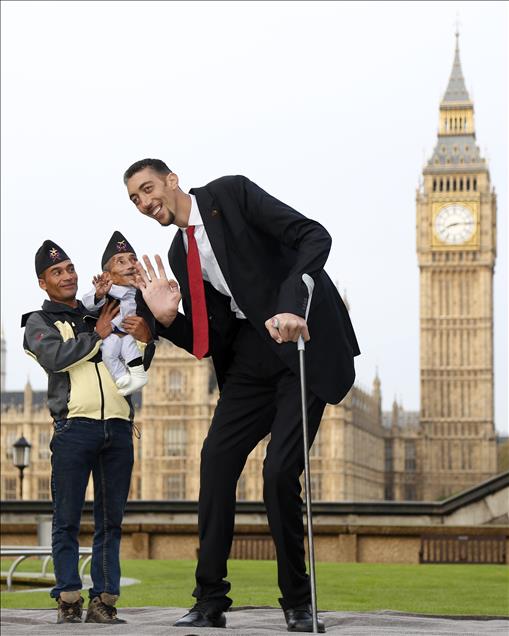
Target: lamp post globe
[[21, 459]]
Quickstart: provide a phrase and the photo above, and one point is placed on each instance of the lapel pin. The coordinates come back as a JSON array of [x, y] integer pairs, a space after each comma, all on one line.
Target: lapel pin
[[214, 213]]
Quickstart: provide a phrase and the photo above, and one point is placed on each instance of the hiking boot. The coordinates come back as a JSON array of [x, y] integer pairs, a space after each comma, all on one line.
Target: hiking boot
[[70, 607], [101, 609]]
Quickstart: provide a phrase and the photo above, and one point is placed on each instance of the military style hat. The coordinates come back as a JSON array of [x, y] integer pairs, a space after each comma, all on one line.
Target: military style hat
[[117, 244], [47, 255]]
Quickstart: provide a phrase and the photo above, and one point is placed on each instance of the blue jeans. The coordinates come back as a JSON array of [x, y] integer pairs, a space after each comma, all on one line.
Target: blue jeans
[[81, 446]]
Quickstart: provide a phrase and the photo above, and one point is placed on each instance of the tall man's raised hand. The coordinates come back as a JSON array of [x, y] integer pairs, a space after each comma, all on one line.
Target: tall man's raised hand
[[161, 295]]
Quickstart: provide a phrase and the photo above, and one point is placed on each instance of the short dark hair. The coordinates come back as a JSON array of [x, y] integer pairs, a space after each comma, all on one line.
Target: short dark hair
[[156, 164]]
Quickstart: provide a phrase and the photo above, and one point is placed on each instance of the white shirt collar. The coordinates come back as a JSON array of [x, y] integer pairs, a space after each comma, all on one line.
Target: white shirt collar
[[122, 291], [194, 215]]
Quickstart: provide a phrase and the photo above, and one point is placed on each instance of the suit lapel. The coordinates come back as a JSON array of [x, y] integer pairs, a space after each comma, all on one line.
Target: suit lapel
[[212, 218]]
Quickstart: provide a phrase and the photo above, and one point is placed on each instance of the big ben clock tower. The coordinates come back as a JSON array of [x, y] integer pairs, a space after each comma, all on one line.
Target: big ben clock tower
[[456, 247]]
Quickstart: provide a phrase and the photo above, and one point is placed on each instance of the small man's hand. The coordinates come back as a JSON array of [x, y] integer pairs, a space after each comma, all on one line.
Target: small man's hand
[[161, 295], [103, 325], [102, 284], [137, 327], [287, 328]]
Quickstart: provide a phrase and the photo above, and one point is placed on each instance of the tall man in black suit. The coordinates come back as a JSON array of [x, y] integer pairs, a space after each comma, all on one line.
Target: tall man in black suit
[[239, 257]]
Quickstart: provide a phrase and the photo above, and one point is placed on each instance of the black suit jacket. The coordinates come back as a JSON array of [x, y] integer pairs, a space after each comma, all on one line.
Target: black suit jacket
[[263, 247]]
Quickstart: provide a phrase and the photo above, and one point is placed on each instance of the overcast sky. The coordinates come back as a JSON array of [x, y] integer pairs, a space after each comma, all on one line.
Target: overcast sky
[[332, 107]]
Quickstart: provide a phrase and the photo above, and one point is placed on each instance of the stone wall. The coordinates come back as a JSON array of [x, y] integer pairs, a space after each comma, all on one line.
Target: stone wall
[[333, 543]]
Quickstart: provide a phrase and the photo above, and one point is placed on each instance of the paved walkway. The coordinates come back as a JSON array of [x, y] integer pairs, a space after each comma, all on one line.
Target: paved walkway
[[148, 621]]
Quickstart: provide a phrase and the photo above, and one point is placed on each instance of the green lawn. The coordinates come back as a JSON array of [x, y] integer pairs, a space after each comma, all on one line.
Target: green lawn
[[424, 589]]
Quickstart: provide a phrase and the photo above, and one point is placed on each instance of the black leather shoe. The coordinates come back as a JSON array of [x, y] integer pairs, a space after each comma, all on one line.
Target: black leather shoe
[[300, 619], [202, 618]]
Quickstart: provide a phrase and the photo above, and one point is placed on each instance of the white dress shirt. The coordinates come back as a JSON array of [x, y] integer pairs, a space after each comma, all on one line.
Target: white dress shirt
[[124, 293], [210, 269]]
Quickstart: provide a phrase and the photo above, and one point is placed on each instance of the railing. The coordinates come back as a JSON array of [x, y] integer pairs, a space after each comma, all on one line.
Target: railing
[[253, 547], [27, 551], [463, 549]]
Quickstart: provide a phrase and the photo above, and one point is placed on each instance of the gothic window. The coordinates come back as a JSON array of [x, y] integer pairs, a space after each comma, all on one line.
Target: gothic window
[[174, 486], [461, 184], [434, 185], [410, 494], [316, 487], [410, 463], [44, 439], [135, 490], [43, 490], [447, 185], [175, 438], [441, 185], [10, 438], [175, 382], [468, 184], [388, 456], [242, 488], [10, 484], [470, 461], [454, 185], [475, 183]]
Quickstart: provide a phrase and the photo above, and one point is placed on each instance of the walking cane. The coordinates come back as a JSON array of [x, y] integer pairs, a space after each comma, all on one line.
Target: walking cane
[[310, 283]]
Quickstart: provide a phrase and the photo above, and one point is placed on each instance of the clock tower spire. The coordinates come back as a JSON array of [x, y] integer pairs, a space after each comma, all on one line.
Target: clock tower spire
[[456, 249]]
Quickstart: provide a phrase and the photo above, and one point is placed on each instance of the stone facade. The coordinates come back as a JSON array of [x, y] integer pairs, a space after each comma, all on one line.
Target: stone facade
[[173, 415]]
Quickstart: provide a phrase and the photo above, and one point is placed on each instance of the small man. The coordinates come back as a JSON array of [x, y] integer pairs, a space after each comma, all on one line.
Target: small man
[[120, 352]]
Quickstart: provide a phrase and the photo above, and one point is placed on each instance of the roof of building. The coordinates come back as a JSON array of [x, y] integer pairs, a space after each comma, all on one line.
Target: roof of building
[[16, 399], [404, 419], [456, 90], [456, 150]]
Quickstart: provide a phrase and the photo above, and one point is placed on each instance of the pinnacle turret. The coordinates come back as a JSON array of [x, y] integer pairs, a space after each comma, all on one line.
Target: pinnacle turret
[[456, 90]]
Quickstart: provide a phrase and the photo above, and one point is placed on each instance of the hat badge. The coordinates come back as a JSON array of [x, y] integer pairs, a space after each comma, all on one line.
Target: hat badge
[[54, 254], [121, 246]]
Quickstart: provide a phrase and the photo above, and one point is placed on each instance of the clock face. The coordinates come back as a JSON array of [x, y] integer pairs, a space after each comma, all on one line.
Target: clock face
[[455, 224]]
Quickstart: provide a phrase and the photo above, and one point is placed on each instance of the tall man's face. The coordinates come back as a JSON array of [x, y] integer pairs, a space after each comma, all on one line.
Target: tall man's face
[[60, 282], [154, 194]]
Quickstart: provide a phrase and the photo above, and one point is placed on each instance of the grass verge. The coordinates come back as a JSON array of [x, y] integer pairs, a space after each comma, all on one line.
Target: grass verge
[[480, 590]]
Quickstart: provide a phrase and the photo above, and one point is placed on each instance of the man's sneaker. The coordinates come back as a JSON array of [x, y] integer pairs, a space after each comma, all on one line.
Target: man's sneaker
[[101, 609], [70, 610]]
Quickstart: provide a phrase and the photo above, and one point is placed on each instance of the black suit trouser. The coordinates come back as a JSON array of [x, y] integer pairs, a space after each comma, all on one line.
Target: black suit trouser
[[260, 396]]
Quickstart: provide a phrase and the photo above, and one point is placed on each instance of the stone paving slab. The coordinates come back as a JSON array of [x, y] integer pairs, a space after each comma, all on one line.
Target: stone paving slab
[[157, 621]]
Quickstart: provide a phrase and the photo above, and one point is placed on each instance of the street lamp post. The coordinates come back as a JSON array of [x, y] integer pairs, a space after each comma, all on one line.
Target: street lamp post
[[21, 459]]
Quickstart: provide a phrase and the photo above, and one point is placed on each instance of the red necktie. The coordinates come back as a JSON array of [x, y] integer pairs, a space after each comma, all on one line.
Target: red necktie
[[198, 305]]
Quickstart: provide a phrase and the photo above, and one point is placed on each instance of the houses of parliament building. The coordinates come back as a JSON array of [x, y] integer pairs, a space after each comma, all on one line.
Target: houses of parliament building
[[360, 453]]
